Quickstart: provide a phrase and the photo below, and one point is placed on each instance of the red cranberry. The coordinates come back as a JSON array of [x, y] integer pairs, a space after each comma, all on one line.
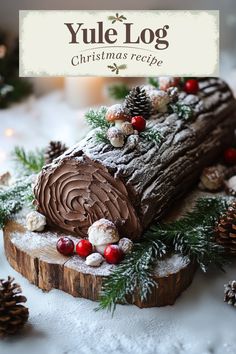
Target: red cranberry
[[84, 248], [65, 246]]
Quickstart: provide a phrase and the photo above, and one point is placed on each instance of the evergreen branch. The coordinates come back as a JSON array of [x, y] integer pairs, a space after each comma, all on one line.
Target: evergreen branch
[[96, 118], [118, 91], [134, 272], [150, 134], [30, 162], [14, 198], [101, 135], [182, 110], [154, 82], [193, 234]]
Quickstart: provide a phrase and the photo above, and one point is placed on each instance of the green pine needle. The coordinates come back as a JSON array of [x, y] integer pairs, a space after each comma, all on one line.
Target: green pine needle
[[14, 198], [96, 118], [192, 236], [118, 91], [154, 82], [151, 135], [133, 273], [182, 110], [101, 136], [29, 162]]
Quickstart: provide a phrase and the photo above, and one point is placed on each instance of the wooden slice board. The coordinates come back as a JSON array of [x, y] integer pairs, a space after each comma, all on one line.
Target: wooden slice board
[[34, 255]]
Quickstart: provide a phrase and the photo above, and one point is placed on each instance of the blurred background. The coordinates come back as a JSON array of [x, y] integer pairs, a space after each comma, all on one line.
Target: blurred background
[[37, 110]]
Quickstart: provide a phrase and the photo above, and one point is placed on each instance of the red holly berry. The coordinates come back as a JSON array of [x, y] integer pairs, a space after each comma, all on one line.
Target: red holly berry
[[65, 246], [191, 86], [113, 254], [138, 123], [84, 248], [230, 156]]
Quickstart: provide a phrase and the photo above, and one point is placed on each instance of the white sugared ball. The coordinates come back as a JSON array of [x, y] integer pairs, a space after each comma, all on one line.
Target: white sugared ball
[[126, 245], [94, 260], [102, 233], [35, 221]]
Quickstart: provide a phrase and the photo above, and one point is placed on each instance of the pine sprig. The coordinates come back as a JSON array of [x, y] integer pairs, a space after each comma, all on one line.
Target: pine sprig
[[151, 135], [133, 273], [192, 236], [29, 162], [14, 198], [154, 82], [96, 118], [182, 110], [118, 91]]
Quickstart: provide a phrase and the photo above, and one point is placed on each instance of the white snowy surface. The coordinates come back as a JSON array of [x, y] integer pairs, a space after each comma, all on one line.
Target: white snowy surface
[[199, 323]]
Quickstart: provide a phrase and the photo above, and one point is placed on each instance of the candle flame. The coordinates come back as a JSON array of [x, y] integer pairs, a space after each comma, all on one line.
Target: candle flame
[[9, 132]]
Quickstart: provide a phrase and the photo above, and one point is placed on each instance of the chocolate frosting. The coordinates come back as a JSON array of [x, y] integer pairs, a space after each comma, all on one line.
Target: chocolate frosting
[[76, 192], [138, 182]]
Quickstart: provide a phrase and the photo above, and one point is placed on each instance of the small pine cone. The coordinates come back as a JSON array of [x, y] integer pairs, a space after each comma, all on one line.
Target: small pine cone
[[138, 103], [225, 230], [54, 150], [13, 315], [230, 293]]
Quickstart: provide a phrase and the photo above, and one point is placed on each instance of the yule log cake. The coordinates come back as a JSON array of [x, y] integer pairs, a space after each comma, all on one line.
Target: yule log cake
[[132, 184]]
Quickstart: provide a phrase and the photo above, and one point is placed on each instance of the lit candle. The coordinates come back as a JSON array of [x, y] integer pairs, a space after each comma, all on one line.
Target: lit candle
[[9, 132], [85, 91]]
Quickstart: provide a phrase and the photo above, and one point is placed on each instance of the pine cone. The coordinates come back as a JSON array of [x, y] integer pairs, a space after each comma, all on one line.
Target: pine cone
[[138, 103], [54, 150], [230, 293], [13, 315], [226, 230]]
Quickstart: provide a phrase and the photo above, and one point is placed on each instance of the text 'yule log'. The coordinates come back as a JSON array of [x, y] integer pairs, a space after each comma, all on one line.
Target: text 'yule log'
[[98, 35]]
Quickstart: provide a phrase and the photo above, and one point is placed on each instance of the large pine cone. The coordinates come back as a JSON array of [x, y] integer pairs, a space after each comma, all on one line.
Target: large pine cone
[[13, 315], [230, 293], [226, 230], [138, 103], [54, 150]]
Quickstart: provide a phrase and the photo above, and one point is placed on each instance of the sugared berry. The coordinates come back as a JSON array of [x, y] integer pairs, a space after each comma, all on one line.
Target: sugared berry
[[230, 156], [113, 254], [84, 248], [65, 246], [191, 86], [138, 123]]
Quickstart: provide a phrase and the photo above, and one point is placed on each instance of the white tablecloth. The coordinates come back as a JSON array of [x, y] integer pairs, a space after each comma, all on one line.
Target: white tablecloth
[[199, 323]]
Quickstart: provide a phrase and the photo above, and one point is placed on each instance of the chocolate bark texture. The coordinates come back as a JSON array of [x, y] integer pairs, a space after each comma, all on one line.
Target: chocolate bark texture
[[134, 184]]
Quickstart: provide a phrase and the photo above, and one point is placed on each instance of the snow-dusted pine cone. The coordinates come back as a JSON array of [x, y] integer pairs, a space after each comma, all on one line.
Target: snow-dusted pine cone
[[138, 103], [13, 315], [226, 230], [54, 150], [230, 293]]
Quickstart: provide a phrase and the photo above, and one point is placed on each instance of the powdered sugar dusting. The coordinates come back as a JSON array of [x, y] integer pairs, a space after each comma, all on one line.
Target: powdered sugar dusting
[[78, 263], [171, 265]]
